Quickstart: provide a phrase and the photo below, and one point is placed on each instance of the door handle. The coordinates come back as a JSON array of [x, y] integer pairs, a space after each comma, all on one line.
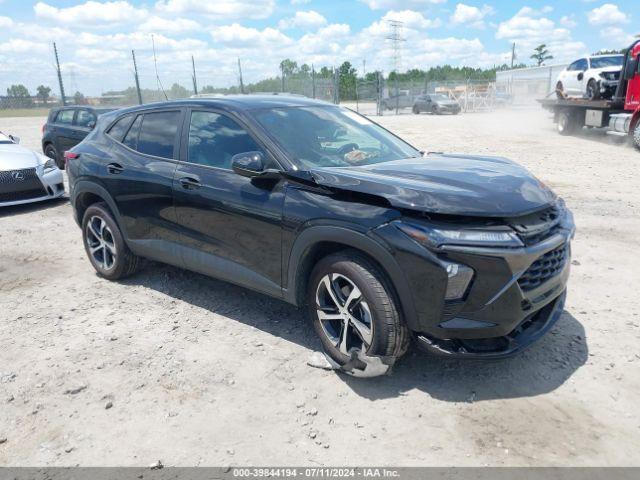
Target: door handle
[[114, 168], [189, 183]]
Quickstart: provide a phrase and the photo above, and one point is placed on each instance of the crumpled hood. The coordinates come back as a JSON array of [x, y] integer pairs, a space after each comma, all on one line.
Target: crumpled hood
[[447, 184], [16, 157]]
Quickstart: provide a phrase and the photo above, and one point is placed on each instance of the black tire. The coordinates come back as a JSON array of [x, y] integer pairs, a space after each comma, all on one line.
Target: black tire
[[389, 335], [124, 262], [51, 152], [593, 92], [635, 135], [416, 110], [436, 110], [560, 91], [566, 123]]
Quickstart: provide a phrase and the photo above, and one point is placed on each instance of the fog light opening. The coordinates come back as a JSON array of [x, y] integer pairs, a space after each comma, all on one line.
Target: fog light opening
[[458, 279]]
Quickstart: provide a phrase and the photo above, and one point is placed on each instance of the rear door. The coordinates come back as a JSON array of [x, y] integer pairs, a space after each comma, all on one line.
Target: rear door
[[231, 225], [63, 130], [140, 173]]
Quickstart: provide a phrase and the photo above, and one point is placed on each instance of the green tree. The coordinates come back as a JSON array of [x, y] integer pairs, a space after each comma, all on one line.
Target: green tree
[[43, 93], [288, 67], [178, 91], [19, 96], [541, 54], [348, 77]]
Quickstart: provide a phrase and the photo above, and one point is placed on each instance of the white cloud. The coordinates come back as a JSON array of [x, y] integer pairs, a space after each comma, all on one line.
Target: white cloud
[[300, 2], [607, 14], [91, 13], [100, 56], [308, 19], [237, 36], [411, 21], [568, 21], [6, 22], [616, 37], [19, 45], [222, 9], [529, 28], [157, 24], [390, 4], [470, 15]]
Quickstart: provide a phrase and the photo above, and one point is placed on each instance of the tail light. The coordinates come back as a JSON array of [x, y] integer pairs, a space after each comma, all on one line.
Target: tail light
[[68, 156]]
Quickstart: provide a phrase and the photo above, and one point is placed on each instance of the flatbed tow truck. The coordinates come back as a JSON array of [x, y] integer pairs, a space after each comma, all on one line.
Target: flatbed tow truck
[[619, 116]]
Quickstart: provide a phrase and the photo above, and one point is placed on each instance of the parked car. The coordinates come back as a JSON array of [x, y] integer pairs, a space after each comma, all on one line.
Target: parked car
[[403, 99], [26, 176], [436, 103], [591, 77], [66, 127], [316, 205]]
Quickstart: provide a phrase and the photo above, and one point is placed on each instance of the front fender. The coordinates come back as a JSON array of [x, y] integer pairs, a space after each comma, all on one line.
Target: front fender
[[349, 238]]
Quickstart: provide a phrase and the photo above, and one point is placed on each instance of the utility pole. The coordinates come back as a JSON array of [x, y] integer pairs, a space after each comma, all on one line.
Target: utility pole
[[62, 96], [364, 67], [240, 76], [135, 75], [513, 54], [313, 81], [282, 75], [193, 76], [396, 42]]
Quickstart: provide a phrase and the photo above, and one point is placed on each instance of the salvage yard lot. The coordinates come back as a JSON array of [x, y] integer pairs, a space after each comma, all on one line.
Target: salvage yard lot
[[173, 366]]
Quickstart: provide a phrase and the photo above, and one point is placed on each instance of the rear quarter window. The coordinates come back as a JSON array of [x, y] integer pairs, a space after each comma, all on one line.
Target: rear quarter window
[[118, 129]]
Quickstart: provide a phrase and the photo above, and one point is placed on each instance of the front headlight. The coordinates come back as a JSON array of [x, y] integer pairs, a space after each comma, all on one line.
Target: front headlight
[[50, 165], [436, 236]]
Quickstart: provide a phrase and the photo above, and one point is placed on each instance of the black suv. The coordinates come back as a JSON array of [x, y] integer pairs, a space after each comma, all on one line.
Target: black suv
[[66, 127], [316, 205]]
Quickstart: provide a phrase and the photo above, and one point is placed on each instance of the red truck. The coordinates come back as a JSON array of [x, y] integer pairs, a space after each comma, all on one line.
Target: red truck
[[620, 115]]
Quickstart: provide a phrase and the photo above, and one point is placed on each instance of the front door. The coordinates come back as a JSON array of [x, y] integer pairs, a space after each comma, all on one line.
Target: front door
[[230, 225]]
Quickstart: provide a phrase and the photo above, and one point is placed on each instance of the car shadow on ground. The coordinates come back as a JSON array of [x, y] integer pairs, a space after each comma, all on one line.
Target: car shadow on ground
[[32, 207], [541, 369]]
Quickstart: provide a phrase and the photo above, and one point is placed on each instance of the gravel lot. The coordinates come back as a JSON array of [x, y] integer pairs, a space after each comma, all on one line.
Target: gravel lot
[[175, 366]]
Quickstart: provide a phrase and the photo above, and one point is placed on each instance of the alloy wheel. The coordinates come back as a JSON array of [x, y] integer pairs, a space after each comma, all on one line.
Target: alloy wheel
[[101, 243], [343, 313]]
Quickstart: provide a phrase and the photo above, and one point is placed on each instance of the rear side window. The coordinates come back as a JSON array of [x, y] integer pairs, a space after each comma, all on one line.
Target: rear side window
[[119, 128], [158, 134], [85, 118], [131, 138], [65, 116]]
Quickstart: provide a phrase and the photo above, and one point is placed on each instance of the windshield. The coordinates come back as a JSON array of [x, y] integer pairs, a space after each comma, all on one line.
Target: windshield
[[331, 137], [439, 98], [603, 62]]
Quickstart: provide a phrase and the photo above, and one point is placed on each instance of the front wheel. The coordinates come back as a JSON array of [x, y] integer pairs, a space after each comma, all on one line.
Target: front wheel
[[416, 110], [352, 307], [635, 135], [593, 92], [104, 244]]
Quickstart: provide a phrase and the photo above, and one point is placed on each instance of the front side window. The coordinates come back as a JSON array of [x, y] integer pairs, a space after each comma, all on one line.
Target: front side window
[[65, 117], [331, 137], [85, 118], [582, 65], [158, 133], [214, 139]]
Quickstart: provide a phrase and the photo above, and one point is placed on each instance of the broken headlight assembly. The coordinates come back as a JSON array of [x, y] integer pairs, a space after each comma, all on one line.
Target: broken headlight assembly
[[436, 237]]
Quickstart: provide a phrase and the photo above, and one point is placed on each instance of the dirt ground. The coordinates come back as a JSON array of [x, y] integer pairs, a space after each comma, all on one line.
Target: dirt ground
[[172, 366]]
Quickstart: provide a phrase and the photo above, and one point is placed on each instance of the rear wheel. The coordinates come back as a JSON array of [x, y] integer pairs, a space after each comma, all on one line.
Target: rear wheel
[[104, 244], [566, 123], [593, 92], [352, 307], [51, 152]]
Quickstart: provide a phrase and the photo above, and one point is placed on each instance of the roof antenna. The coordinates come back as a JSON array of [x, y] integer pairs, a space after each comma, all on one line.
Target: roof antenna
[[155, 64]]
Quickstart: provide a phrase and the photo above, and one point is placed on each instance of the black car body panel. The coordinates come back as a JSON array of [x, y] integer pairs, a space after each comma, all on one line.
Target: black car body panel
[[447, 184], [265, 234]]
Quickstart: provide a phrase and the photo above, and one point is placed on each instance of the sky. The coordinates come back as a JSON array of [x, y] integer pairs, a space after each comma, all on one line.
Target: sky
[[95, 38]]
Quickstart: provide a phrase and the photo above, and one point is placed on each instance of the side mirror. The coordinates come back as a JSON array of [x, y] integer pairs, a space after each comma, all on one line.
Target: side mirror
[[580, 76], [91, 124], [251, 165], [14, 139]]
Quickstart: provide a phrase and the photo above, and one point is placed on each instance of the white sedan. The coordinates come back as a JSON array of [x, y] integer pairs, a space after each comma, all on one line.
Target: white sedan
[[591, 77], [26, 176]]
